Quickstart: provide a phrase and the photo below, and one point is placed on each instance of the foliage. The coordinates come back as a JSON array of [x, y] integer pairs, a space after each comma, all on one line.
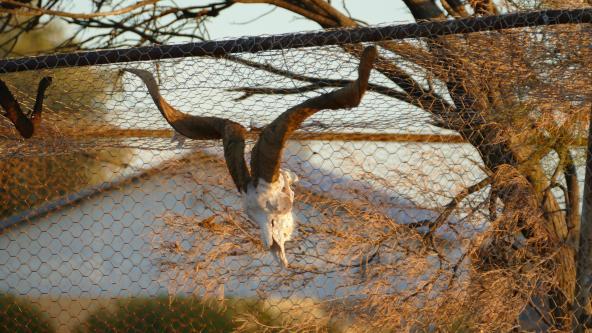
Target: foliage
[[158, 315], [42, 39], [183, 314], [19, 315]]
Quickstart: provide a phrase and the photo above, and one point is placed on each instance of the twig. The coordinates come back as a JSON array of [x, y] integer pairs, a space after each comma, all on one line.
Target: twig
[[36, 11], [318, 83], [451, 206]]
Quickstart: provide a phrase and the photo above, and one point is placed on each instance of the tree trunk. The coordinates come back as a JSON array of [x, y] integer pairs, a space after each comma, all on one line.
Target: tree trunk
[[541, 202], [468, 118], [582, 306]]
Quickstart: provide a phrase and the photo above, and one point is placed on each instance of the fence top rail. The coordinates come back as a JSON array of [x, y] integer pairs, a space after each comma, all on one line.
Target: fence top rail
[[299, 40]]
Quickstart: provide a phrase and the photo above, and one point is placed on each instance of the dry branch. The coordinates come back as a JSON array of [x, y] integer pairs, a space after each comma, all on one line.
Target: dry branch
[[39, 11]]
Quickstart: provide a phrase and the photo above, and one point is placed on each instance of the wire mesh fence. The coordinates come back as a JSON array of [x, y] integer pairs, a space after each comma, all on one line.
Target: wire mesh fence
[[448, 200]]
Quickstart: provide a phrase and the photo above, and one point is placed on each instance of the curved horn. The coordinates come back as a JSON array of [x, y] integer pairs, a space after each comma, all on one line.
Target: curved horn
[[36, 114], [267, 153], [25, 126], [204, 128]]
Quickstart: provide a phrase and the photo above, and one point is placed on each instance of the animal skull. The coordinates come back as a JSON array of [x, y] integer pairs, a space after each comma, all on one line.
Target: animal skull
[[270, 206], [265, 188]]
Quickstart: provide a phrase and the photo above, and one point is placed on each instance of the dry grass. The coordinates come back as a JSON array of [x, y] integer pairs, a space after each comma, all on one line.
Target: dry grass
[[500, 250]]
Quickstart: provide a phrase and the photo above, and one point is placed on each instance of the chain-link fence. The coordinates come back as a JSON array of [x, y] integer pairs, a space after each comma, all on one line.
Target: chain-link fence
[[448, 200]]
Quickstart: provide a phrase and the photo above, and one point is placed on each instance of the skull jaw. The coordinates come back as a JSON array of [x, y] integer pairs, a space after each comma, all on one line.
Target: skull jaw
[[274, 234], [279, 253]]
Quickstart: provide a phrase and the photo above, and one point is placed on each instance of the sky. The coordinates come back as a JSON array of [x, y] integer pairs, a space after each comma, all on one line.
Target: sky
[[241, 19], [283, 21]]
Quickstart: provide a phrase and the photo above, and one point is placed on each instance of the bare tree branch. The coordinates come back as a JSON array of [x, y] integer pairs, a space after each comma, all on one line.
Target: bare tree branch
[[250, 91], [36, 11], [451, 206]]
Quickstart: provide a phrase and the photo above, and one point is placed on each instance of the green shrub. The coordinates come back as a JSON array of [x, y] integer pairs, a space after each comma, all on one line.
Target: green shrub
[[19, 315], [189, 314], [243, 311], [159, 314]]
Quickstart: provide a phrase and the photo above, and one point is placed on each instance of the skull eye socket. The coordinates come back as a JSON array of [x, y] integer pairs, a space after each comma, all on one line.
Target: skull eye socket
[[281, 205], [270, 206], [284, 204]]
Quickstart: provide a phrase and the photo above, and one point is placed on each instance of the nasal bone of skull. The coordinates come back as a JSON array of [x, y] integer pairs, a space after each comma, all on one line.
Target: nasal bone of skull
[[279, 253]]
